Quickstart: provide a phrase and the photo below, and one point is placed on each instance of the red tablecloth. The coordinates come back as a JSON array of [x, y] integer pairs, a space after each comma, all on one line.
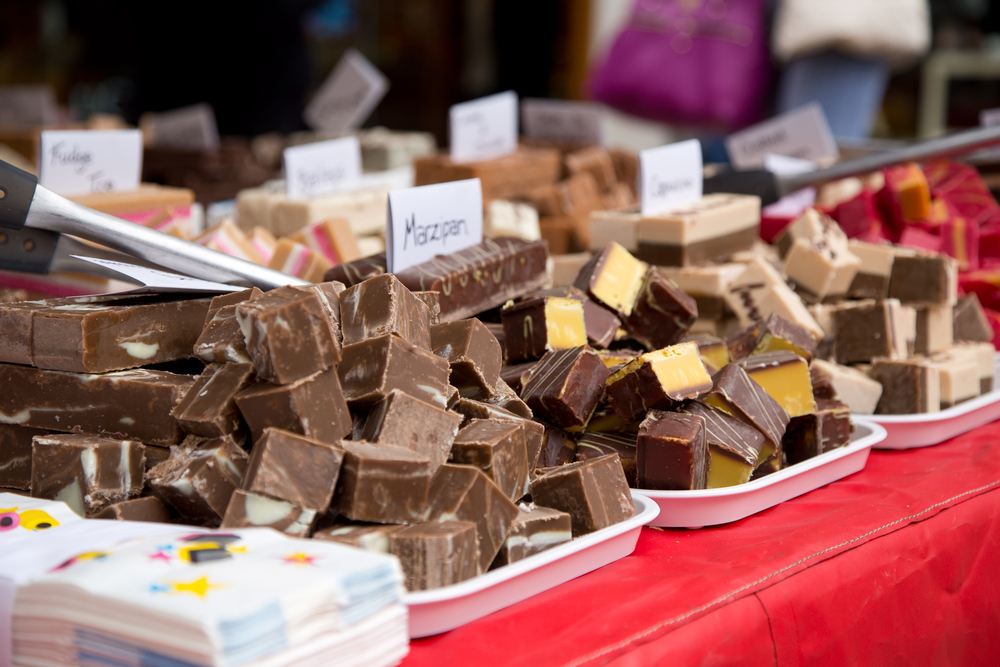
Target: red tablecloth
[[896, 565]]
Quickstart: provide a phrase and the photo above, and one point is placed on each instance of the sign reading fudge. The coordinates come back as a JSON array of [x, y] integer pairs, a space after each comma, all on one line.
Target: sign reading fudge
[[83, 162], [432, 220], [803, 133], [670, 176], [348, 96], [562, 120], [483, 129], [322, 167]]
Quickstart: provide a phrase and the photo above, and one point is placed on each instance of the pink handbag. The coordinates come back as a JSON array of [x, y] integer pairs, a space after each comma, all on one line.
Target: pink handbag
[[689, 62]]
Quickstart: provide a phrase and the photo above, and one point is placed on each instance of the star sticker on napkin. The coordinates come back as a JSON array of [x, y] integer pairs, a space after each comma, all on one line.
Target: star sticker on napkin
[[300, 559], [199, 587], [160, 555]]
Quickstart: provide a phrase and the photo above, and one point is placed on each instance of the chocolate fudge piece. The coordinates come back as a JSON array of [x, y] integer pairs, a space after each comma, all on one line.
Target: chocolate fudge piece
[[872, 279], [558, 448], [198, 482], [436, 554], [908, 387], [713, 350], [252, 510], [380, 306], [207, 408], [400, 420], [472, 352], [357, 271], [542, 324], [222, 341], [367, 536], [871, 329], [289, 467], [934, 331], [481, 277], [924, 278], [465, 493], [98, 334], [433, 302], [811, 435], [601, 324], [657, 380], [662, 313], [155, 455], [313, 406], [534, 531], [515, 375], [382, 484], [371, 369], [15, 455], [592, 445], [613, 278], [785, 376], [733, 447], [594, 493], [859, 391], [288, 334], [136, 509], [534, 432], [134, 404], [506, 398], [566, 386], [86, 472], [708, 230], [231, 299], [672, 453], [777, 333], [969, 322], [498, 449], [737, 395]]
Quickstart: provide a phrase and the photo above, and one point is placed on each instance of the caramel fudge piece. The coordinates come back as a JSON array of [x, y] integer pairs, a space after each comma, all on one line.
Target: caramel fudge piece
[[855, 388], [613, 278], [777, 333], [504, 177], [472, 352], [498, 449], [539, 325], [708, 230], [594, 493], [657, 380], [924, 279], [713, 350], [98, 334], [289, 467], [872, 329], [662, 312], [199, 482], [558, 448], [785, 376], [436, 554], [534, 531], [371, 369], [382, 484], [288, 334], [252, 510], [86, 472], [737, 395], [380, 306], [207, 408], [671, 452], [760, 291], [313, 406], [400, 420], [824, 430], [600, 323], [969, 322], [872, 279], [909, 387], [933, 328], [15, 455], [592, 445], [733, 447], [136, 509], [222, 341], [465, 493], [959, 373], [367, 536], [566, 386], [134, 404]]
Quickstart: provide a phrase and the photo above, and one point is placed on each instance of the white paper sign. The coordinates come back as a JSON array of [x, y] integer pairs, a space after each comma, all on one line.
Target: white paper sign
[[483, 129], [325, 166], [562, 120], [78, 162], [188, 127], [802, 133], [432, 220], [159, 281], [28, 105], [670, 176], [348, 96]]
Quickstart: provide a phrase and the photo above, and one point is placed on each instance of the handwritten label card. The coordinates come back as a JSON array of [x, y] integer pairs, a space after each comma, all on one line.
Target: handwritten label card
[[326, 166], [28, 105], [483, 129], [348, 96], [802, 133], [670, 176], [78, 162], [191, 127], [432, 220], [562, 120]]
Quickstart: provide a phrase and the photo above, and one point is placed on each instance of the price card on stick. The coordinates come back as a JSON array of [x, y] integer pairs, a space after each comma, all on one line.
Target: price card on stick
[[562, 120], [432, 220], [670, 176], [348, 96], [802, 133], [483, 129], [325, 166], [78, 162]]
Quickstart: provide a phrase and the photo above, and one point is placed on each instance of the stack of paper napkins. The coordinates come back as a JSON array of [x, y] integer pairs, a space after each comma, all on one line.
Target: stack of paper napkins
[[246, 597]]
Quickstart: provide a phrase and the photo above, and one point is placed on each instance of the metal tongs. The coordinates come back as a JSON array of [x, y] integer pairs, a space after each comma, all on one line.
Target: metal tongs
[[35, 222]]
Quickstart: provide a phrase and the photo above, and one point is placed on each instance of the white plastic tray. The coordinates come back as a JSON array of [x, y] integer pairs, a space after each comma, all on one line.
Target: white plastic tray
[[933, 428], [443, 609], [710, 507]]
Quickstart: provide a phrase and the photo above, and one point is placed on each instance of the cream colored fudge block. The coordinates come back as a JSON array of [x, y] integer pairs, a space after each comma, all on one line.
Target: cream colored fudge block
[[853, 387], [617, 225], [711, 229], [760, 291], [820, 270]]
